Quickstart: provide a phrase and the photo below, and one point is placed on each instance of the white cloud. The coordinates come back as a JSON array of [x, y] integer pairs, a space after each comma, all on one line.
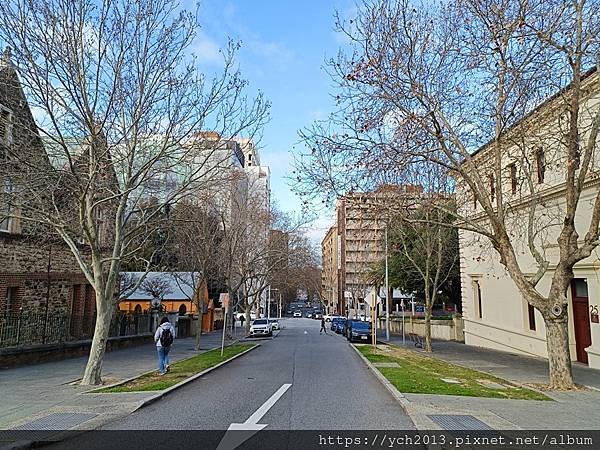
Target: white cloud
[[277, 54], [206, 50], [317, 230]]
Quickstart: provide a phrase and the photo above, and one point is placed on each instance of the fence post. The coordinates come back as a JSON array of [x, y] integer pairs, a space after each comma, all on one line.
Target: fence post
[[19, 325]]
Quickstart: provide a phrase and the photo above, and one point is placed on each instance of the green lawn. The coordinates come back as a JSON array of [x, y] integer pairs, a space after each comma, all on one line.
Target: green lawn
[[179, 371], [421, 374]]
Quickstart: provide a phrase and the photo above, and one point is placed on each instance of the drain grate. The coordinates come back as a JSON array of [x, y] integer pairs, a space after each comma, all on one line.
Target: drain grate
[[57, 421], [453, 422]]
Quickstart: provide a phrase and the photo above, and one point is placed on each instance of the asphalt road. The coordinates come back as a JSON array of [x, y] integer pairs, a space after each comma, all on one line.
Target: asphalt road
[[331, 389]]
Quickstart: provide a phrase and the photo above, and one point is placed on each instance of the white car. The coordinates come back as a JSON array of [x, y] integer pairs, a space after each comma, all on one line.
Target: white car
[[297, 314], [274, 323], [261, 327]]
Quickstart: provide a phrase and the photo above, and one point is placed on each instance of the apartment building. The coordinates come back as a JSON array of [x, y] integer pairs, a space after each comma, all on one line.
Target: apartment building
[[359, 240], [331, 269]]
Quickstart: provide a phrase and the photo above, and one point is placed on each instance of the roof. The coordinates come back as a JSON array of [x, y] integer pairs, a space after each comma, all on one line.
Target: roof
[[169, 285]]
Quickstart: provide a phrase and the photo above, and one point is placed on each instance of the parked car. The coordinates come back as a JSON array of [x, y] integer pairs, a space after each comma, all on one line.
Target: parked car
[[337, 324], [274, 323], [261, 327], [318, 315], [359, 331], [297, 314], [309, 315]]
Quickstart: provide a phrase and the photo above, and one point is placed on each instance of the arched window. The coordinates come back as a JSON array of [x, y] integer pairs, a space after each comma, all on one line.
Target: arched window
[[182, 310], [137, 309]]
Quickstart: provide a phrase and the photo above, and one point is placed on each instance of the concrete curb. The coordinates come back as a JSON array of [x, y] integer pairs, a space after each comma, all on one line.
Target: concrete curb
[[126, 380], [404, 402], [161, 394]]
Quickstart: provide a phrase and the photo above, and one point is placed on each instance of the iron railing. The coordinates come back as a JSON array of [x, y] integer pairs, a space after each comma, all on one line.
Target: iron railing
[[26, 328]]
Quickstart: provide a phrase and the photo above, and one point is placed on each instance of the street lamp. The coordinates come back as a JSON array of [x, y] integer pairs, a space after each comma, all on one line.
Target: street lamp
[[269, 302]]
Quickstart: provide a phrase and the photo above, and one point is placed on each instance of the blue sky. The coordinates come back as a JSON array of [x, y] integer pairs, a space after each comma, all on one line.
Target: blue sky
[[284, 45]]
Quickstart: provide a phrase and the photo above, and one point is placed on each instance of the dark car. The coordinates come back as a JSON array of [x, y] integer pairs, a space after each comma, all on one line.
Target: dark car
[[359, 331], [337, 324]]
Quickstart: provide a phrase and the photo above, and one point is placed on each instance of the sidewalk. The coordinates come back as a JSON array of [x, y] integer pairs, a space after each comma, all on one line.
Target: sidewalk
[[569, 410], [35, 391]]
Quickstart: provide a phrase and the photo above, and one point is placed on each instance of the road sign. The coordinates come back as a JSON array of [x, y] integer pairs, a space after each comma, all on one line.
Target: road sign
[[372, 299]]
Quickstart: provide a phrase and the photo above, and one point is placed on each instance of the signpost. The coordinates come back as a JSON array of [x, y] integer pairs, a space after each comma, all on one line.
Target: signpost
[[224, 298], [372, 300]]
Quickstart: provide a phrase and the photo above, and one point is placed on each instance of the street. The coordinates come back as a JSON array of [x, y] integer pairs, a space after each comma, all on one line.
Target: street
[[331, 389]]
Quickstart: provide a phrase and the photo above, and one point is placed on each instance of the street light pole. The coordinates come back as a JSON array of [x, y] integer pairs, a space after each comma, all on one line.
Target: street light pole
[[387, 289], [269, 303]]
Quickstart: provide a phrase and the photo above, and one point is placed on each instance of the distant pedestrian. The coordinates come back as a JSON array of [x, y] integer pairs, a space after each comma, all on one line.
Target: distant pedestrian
[[323, 326], [163, 337], [242, 321]]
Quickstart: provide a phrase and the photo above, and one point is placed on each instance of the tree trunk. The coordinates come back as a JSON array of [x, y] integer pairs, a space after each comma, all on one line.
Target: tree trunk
[[248, 319], [199, 306], [559, 357], [93, 369], [427, 345]]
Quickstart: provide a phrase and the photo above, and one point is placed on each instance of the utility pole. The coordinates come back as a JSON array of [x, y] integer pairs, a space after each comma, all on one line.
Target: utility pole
[[269, 303], [280, 306], [387, 288]]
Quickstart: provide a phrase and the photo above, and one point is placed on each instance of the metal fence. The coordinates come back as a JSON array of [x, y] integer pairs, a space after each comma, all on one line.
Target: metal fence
[[25, 328]]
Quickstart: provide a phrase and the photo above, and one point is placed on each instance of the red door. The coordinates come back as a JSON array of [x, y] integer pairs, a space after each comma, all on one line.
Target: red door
[[581, 318]]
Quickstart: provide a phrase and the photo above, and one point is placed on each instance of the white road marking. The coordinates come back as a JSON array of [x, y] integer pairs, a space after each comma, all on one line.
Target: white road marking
[[244, 431], [266, 406]]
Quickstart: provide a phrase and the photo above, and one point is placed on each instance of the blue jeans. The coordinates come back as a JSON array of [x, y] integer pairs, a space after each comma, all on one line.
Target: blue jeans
[[163, 358]]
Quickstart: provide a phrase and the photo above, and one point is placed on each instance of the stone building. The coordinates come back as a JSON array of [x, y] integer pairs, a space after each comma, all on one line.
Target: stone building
[[41, 284], [495, 313]]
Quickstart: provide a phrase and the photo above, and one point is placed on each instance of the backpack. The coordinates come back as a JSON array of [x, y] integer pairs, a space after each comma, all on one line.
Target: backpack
[[166, 337]]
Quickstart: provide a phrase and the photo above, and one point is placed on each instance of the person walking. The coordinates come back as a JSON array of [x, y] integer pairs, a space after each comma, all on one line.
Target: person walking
[[163, 338], [323, 326], [242, 321]]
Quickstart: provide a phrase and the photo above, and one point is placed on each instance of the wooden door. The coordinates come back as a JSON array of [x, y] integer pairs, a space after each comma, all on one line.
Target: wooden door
[[581, 318]]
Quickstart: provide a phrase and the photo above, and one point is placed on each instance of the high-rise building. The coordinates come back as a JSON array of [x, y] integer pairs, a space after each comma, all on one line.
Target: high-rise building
[[358, 240]]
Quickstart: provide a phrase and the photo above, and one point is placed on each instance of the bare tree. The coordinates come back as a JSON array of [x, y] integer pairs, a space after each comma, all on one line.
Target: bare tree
[[157, 286], [432, 84], [196, 239], [120, 101]]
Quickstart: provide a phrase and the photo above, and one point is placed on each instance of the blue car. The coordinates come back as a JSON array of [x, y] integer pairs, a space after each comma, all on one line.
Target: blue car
[[359, 331], [337, 324]]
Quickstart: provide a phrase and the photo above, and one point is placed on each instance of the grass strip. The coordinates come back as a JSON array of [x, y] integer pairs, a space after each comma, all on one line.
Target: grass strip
[[421, 374], [179, 371]]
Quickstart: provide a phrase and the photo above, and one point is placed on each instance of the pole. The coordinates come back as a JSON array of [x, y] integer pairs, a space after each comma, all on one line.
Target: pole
[[280, 306], [225, 311], [387, 289], [224, 327], [269, 304], [403, 334], [373, 327]]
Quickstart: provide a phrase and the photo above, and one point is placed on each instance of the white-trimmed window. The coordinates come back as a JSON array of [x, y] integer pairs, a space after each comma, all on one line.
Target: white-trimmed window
[[477, 300]]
